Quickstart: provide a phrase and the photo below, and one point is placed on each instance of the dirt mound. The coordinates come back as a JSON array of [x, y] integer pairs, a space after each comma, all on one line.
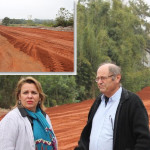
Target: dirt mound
[[144, 94], [52, 51], [3, 112], [68, 120], [59, 28]]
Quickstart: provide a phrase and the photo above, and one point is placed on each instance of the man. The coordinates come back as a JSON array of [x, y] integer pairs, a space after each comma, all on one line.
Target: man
[[118, 119]]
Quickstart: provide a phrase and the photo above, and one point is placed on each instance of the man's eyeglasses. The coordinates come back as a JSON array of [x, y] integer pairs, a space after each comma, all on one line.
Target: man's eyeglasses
[[102, 78]]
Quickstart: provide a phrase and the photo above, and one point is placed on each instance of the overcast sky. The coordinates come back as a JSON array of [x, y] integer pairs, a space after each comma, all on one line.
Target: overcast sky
[[40, 9], [146, 1]]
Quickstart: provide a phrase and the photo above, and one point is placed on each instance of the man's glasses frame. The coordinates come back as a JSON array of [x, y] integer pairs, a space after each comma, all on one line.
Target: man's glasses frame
[[103, 78]]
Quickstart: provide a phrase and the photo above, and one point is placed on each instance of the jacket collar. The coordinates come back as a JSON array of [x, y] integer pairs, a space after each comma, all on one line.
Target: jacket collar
[[25, 114], [94, 108], [124, 95]]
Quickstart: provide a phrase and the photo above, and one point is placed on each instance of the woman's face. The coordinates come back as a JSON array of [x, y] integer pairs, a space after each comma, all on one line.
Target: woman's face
[[29, 96]]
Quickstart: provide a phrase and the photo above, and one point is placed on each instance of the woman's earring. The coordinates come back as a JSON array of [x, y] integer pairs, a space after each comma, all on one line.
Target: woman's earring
[[39, 102], [19, 102]]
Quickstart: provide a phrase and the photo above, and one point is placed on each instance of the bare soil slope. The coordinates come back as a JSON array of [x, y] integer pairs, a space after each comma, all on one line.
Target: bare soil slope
[[144, 94], [68, 120], [35, 50]]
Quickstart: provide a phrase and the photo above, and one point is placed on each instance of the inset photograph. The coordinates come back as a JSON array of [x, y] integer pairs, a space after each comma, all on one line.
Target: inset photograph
[[37, 36]]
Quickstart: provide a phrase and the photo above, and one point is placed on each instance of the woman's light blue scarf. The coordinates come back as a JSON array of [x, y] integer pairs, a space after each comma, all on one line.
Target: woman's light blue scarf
[[43, 134]]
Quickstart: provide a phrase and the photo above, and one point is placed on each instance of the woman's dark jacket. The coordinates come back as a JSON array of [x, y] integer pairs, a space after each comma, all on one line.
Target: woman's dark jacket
[[131, 129]]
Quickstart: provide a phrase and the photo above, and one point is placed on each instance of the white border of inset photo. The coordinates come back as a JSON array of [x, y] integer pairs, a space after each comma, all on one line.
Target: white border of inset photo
[[56, 73]]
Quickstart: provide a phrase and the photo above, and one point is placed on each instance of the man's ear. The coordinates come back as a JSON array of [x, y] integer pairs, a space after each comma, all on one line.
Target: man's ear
[[118, 78]]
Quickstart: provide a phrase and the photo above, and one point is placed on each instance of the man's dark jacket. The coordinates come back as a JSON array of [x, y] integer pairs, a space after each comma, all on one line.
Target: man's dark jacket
[[131, 129]]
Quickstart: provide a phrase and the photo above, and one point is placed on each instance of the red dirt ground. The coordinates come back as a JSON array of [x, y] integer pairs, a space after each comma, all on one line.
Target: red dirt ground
[[35, 50], [68, 120], [144, 94]]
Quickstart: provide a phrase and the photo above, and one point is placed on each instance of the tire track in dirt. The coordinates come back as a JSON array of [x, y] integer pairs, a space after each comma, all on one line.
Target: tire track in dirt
[[54, 49], [12, 60], [55, 65]]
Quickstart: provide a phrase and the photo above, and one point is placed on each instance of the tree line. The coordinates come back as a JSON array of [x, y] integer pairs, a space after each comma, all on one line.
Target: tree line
[[58, 89], [64, 18]]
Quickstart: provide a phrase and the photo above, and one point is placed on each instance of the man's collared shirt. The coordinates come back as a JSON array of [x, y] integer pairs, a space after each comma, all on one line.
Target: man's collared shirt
[[101, 137]]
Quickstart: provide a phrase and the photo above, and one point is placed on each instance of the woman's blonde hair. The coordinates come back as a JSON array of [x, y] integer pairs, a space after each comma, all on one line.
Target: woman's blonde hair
[[32, 80]]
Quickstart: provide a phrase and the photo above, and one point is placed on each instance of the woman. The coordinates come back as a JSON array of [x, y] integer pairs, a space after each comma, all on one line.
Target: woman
[[27, 127]]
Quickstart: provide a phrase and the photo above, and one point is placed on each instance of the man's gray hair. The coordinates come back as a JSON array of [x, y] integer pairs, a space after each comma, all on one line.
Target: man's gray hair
[[113, 68]]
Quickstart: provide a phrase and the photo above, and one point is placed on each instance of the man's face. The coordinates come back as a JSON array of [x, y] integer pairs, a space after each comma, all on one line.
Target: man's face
[[107, 83]]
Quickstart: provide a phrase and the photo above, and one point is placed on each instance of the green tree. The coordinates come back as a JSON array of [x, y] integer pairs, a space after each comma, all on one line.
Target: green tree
[[84, 79], [6, 21], [7, 89], [113, 32], [64, 18], [59, 89]]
